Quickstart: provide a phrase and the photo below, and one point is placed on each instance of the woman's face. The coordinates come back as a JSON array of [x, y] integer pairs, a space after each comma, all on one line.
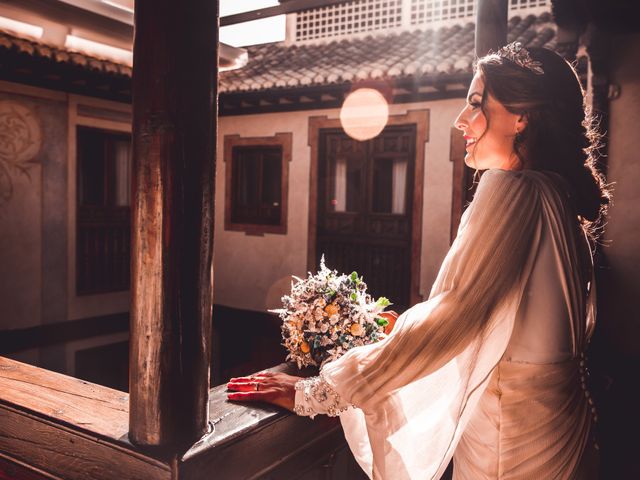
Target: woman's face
[[489, 143]]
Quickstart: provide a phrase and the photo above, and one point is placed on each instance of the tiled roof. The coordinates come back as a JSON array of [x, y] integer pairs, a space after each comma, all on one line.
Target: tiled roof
[[427, 53], [410, 54], [37, 48]]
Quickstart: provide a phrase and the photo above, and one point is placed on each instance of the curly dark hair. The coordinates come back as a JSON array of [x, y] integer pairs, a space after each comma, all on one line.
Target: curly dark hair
[[561, 133]]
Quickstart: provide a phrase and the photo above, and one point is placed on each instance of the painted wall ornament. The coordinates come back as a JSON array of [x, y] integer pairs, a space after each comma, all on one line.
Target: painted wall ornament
[[20, 143]]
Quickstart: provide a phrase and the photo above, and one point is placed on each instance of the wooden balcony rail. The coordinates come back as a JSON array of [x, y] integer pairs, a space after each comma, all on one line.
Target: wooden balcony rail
[[54, 426]]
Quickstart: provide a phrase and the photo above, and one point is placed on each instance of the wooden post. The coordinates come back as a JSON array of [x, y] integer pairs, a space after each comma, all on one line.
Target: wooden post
[[491, 25], [174, 138]]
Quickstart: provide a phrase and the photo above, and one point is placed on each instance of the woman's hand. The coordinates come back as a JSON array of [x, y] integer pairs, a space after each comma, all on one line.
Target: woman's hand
[[270, 387]]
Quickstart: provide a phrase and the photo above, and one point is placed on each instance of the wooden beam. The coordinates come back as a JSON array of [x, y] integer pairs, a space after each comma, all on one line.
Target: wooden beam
[[290, 6], [73, 16], [53, 427], [68, 428], [174, 135], [491, 25]]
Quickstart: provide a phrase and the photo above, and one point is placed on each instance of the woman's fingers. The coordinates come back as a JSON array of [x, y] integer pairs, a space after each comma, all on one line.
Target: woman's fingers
[[251, 396], [243, 386], [242, 380], [272, 387], [391, 317], [252, 378]]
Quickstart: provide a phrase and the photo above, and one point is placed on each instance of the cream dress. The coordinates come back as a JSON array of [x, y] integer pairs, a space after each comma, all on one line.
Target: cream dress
[[490, 369]]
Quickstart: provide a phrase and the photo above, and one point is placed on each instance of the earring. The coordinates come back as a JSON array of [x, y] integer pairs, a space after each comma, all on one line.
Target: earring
[[518, 137]]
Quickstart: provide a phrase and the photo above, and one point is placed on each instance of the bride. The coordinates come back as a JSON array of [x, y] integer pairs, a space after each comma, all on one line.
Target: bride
[[490, 370]]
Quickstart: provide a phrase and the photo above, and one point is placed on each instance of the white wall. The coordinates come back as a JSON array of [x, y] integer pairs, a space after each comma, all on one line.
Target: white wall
[[253, 272]]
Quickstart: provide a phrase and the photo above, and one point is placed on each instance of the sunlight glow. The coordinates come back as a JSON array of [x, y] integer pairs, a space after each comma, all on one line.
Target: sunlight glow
[[118, 6], [265, 30], [364, 114], [102, 50], [21, 28]]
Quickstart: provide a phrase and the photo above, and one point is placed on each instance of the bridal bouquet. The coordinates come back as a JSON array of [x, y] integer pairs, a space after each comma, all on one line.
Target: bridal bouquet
[[326, 314]]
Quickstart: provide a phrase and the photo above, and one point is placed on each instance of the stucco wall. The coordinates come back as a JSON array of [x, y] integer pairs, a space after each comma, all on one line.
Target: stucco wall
[[33, 217], [623, 230], [37, 217], [253, 272]]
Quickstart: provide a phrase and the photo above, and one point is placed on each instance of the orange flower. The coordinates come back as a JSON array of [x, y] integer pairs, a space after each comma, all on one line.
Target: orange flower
[[304, 347], [331, 309], [357, 330]]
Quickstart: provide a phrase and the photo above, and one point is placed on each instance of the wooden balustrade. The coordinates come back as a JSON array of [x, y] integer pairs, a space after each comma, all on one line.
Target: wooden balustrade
[[55, 426]]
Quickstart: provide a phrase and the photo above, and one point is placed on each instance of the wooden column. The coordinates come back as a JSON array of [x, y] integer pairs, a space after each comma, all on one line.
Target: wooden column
[[491, 25], [174, 138]]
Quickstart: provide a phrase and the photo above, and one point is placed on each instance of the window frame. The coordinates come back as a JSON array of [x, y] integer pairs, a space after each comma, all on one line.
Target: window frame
[[282, 140], [103, 115], [108, 208]]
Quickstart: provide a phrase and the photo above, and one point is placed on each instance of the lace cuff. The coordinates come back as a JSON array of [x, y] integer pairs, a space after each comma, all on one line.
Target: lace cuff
[[314, 395]]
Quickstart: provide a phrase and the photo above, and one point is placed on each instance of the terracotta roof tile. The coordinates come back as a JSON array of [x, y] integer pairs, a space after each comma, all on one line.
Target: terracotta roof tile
[[36, 48], [444, 51], [421, 53]]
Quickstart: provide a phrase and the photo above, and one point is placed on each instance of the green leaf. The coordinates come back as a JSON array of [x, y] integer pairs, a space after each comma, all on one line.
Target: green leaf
[[383, 302], [354, 296], [383, 322], [354, 276]]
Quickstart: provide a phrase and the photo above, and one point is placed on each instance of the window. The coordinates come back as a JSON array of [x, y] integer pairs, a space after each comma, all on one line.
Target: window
[[103, 211], [257, 170], [256, 189]]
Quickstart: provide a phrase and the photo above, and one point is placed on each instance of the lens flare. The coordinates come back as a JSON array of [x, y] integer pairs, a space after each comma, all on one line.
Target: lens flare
[[364, 113]]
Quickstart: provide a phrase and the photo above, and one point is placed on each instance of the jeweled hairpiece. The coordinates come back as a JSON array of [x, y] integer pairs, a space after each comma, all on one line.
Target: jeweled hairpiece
[[516, 53]]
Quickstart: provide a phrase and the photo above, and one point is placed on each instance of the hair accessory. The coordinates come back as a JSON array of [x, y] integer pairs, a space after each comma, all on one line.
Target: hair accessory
[[516, 53]]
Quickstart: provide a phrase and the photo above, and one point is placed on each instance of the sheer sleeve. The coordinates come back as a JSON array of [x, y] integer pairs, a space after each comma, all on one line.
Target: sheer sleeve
[[416, 389]]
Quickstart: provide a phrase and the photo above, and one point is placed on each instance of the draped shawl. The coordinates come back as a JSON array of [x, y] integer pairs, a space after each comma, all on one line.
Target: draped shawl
[[416, 390]]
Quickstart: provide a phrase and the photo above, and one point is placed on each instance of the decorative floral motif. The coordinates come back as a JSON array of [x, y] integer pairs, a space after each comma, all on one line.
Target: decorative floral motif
[[20, 142], [327, 314]]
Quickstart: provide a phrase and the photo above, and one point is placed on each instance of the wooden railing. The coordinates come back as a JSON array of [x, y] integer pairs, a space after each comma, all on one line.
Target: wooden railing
[[54, 426]]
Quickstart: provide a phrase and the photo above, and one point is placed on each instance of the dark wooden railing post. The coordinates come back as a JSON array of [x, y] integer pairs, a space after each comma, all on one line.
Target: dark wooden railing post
[[174, 138], [491, 25]]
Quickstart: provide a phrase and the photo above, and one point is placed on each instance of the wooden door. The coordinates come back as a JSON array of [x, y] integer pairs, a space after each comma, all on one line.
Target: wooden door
[[365, 197]]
